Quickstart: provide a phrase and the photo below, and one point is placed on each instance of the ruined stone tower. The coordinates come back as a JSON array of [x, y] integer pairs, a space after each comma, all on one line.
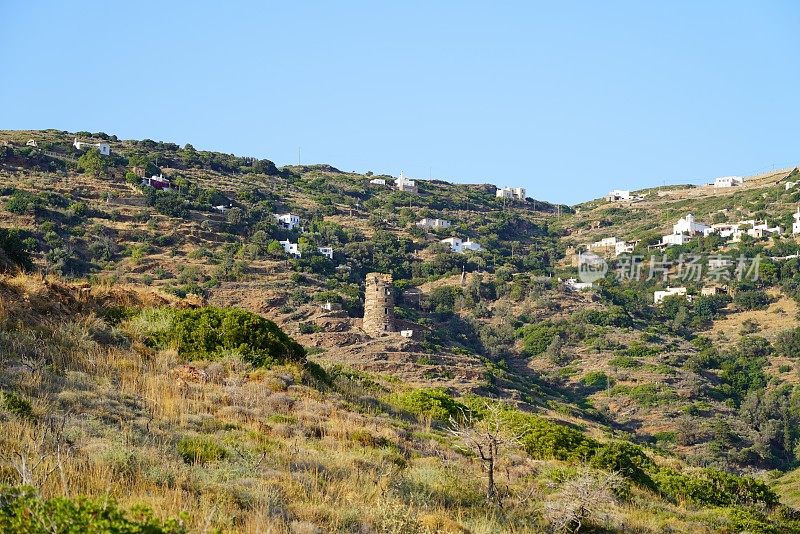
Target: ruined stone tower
[[378, 305]]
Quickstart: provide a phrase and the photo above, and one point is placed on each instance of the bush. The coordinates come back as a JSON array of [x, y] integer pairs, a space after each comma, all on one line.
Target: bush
[[21, 202], [16, 404], [205, 333], [713, 487], [15, 248], [433, 403], [625, 458], [23, 511], [537, 337], [595, 380], [200, 450], [624, 362], [542, 439], [752, 300], [787, 343]]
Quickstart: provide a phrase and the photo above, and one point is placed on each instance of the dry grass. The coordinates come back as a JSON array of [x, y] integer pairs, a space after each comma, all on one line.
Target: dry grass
[[109, 413]]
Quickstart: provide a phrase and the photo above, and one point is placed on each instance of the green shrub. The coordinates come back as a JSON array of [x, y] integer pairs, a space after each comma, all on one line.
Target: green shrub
[[433, 403], [16, 404], [646, 395], [21, 202], [16, 248], [205, 333], [543, 439], [713, 487], [752, 300], [625, 362], [625, 458], [200, 450], [537, 337], [23, 511], [787, 343], [595, 380]]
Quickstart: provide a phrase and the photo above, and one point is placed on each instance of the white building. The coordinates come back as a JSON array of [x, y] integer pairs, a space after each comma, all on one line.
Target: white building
[[619, 246], [157, 182], [688, 225], [722, 229], [104, 148], [796, 223], [291, 248], [675, 239], [728, 181], [31, 142], [404, 184], [659, 296], [378, 181], [618, 195], [433, 223], [288, 220], [459, 246], [331, 306], [407, 333], [516, 193], [573, 284], [624, 247], [790, 185], [222, 208], [326, 251]]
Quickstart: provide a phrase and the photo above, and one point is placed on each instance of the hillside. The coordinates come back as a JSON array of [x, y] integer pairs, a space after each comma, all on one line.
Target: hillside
[[683, 413]]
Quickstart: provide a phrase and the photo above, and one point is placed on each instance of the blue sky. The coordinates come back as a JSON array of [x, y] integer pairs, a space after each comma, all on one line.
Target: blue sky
[[569, 99]]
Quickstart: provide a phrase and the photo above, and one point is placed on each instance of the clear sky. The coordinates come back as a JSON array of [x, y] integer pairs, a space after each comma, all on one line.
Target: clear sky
[[569, 99]]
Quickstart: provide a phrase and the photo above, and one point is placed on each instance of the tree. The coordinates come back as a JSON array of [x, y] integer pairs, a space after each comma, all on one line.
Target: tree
[[484, 437], [93, 163]]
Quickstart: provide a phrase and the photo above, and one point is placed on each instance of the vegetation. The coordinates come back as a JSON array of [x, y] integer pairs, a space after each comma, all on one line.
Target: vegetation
[[517, 406]]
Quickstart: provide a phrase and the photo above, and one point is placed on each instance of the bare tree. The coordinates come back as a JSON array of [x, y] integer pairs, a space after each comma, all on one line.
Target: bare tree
[[587, 496], [484, 437]]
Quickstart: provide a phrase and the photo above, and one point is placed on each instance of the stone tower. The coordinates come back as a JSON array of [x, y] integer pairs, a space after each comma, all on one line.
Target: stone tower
[[378, 305]]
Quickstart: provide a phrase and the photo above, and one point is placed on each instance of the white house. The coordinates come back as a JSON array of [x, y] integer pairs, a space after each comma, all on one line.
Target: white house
[[723, 229], [31, 142], [517, 193], [675, 239], [728, 181], [433, 223], [624, 247], [659, 296], [407, 333], [378, 181], [222, 208], [618, 195], [404, 184], [459, 246], [790, 185], [291, 248], [761, 230], [288, 220], [688, 225], [620, 246], [156, 182], [331, 306], [326, 251], [573, 284], [104, 148], [796, 223]]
